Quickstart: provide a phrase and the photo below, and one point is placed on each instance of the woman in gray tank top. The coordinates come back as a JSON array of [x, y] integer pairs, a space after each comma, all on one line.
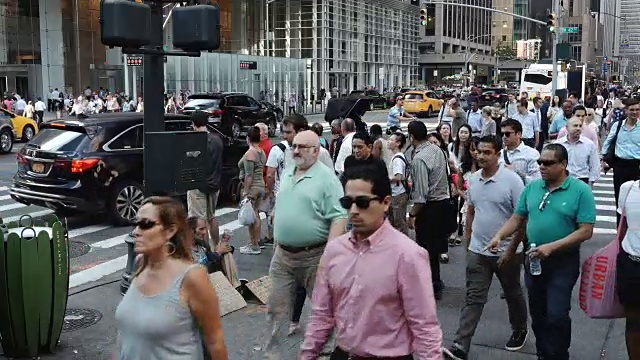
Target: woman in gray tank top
[[171, 308]]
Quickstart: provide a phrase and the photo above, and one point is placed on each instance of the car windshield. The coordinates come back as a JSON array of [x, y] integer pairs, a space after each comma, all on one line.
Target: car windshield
[[413, 96]]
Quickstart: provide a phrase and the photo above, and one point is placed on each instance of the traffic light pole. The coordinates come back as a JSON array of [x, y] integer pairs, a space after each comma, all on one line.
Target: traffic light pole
[[554, 52]]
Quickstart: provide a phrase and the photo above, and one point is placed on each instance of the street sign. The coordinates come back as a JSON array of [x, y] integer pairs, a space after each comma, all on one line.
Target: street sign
[[570, 30]]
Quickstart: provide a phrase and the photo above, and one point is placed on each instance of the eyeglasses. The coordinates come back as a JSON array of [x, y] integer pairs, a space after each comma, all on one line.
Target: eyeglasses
[[362, 202], [146, 224], [547, 162], [543, 203], [302, 146]]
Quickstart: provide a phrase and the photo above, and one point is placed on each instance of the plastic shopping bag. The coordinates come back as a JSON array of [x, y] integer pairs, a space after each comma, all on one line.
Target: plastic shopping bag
[[598, 295], [246, 216]]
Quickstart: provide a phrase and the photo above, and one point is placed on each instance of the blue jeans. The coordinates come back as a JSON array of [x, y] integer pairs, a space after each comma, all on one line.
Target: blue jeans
[[550, 303]]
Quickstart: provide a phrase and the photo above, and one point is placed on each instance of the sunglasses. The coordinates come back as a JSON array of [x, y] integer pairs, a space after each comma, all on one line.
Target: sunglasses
[[547, 162], [543, 203], [507, 133], [145, 224], [362, 202]]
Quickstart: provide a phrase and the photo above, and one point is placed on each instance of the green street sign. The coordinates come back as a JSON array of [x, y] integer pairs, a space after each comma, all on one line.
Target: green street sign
[[570, 30]]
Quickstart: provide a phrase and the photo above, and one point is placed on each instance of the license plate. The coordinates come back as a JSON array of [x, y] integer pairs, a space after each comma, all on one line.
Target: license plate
[[37, 168]]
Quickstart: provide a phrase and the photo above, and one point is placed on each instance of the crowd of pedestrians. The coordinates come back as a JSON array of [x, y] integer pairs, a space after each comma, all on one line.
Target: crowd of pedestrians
[[361, 225]]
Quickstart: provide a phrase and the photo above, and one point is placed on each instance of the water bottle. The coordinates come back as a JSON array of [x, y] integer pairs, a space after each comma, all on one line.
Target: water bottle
[[535, 268], [227, 235]]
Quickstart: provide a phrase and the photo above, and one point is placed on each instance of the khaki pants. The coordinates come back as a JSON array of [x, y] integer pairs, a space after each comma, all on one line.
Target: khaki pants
[[398, 213], [287, 272]]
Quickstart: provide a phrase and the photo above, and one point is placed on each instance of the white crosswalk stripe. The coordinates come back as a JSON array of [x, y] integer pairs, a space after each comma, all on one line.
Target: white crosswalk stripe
[[112, 250]]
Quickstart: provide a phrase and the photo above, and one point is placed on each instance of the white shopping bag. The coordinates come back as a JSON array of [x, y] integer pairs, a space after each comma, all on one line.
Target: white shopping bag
[[246, 216]]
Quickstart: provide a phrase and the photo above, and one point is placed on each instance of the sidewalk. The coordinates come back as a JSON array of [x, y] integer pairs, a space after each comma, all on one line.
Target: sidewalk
[[245, 329]]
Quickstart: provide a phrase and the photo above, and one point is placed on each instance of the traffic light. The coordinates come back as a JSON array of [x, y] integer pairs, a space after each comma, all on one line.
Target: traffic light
[[551, 23], [424, 19]]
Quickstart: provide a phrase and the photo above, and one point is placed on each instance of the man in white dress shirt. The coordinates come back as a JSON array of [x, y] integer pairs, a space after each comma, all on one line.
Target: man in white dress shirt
[[348, 128], [584, 160], [530, 124]]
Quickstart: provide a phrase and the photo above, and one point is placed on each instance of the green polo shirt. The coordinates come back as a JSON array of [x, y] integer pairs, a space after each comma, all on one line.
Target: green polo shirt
[[306, 207], [567, 206]]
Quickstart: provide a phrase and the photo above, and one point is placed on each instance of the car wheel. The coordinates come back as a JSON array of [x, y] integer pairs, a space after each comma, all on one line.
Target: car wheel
[[125, 200], [27, 133], [273, 125], [430, 112], [6, 141]]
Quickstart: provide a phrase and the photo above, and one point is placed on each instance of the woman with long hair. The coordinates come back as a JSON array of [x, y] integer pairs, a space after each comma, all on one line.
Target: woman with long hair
[[444, 129], [556, 104], [468, 166], [171, 307], [252, 174], [460, 145]]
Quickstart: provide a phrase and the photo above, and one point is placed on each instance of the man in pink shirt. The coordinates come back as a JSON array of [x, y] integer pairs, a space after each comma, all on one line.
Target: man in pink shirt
[[373, 285], [580, 112]]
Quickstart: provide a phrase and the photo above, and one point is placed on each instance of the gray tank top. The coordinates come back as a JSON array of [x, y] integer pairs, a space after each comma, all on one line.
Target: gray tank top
[[157, 327]]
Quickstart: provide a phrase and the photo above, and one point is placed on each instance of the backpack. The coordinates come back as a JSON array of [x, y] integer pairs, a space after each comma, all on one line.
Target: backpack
[[282, 148], [407, 167]]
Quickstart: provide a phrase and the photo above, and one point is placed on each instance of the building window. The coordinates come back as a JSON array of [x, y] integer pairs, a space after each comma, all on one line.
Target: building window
[[576, 52], [504, 37]]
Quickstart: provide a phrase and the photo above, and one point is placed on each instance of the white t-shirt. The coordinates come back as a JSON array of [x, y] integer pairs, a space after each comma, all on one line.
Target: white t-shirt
[[276, 161], [629, 201], [398, 166]]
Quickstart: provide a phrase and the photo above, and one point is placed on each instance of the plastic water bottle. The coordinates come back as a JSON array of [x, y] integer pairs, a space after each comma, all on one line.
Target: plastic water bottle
[[535, 268]]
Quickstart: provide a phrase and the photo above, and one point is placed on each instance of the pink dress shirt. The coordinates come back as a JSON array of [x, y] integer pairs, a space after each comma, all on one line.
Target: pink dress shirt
[[378, 295], [587, 132]]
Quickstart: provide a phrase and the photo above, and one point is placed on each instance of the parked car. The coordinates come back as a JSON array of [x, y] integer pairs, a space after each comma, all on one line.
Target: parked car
[[95, 165], [391, 98], [8, 134], [232, 113], [25, 127], [376, 100], [491, 96], [422, 103]]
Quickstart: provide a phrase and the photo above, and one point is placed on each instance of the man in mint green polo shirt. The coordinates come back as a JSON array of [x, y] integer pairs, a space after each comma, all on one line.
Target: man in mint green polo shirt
[[560, 212], [307, 214]]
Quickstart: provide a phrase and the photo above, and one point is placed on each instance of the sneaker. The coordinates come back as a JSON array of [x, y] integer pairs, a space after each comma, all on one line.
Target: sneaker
[[517, 340], [444, 258], [454, 353], [264, 242], [293, 327], [248, 250]]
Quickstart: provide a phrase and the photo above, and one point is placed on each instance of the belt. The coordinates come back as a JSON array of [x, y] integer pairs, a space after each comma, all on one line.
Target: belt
[[343, 355], [295, 249]]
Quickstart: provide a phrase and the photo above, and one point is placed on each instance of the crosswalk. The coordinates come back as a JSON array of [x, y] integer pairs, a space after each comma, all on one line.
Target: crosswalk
[[108, 250]]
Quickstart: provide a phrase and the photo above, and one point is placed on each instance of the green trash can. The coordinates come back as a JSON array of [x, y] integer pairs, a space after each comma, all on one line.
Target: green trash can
[[34, 285]]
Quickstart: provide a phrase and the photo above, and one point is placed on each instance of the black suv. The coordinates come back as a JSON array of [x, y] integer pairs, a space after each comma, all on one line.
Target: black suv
[[376, 100], [232, 113], [95, 165]]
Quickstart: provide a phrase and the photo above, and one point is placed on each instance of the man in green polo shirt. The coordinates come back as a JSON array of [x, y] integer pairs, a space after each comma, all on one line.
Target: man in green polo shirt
[[307, 214], [560, 212]]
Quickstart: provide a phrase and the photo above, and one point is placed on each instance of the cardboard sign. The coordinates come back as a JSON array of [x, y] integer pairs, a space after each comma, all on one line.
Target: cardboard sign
[[261, 288], [229, 298]]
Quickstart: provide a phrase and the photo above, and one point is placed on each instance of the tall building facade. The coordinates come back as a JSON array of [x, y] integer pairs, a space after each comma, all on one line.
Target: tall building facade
[[629, 40], [502, 25], [457, 35]]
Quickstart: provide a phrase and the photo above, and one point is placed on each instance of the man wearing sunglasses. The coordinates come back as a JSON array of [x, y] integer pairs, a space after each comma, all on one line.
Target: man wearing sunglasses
[[560, 212], [374, 285], [307, 214]]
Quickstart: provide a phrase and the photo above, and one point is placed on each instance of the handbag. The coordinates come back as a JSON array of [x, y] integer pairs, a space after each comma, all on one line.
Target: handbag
[[610, 156], [598, 295], [451, 205]]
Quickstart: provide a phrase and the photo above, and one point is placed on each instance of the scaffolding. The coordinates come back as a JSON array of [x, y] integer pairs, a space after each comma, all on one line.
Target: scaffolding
[[351, 44]]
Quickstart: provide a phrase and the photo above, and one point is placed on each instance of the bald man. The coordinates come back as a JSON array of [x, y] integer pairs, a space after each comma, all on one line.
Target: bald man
[[584, 160], [307, 215]]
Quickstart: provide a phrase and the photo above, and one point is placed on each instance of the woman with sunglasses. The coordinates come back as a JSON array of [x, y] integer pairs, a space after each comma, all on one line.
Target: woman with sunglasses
[[171, 307]]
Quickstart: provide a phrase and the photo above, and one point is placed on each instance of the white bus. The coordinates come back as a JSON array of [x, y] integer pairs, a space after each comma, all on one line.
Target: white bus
[[538, 78]]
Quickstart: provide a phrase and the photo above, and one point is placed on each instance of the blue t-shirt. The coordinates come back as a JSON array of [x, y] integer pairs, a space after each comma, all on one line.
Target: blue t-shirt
[[394, 114]]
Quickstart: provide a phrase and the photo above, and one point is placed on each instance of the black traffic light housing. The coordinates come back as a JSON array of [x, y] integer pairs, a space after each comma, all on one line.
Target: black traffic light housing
[[423, 17], [196, 27], [551, 23], [125, 23]]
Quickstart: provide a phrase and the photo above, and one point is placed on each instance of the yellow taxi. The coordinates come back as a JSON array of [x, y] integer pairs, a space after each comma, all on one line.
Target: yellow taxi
[[25, 128], [422, 103]]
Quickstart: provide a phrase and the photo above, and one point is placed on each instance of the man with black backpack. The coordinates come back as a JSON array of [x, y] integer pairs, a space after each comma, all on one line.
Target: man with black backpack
[[400, 188]]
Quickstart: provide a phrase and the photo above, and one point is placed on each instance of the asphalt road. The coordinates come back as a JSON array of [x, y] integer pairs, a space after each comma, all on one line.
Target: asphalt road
[[94, 272]]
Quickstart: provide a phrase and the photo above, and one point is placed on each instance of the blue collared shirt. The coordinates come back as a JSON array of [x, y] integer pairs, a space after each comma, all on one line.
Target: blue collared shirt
[[559, 121], [474, 118], [627, 143]]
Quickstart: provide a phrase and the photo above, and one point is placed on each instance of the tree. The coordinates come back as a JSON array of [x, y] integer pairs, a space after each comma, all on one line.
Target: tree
[[505, 51]]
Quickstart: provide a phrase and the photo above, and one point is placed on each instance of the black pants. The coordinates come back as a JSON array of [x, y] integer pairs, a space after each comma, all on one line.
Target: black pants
[[298, 304], [624, 170], [460, 215], [431, 235], [339, 354], [530, 142], [39, 117], [584, 180]]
